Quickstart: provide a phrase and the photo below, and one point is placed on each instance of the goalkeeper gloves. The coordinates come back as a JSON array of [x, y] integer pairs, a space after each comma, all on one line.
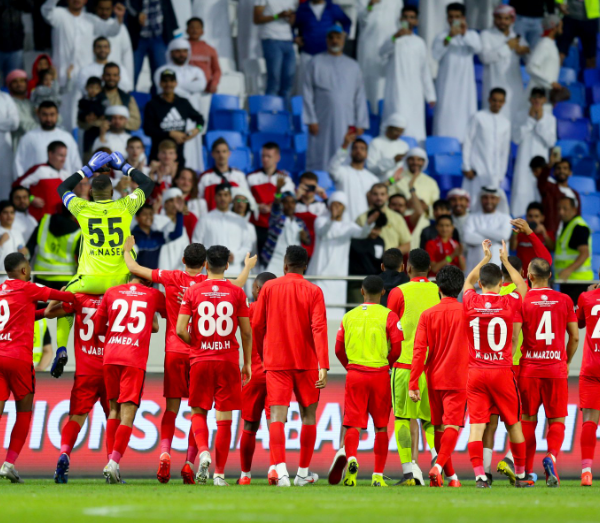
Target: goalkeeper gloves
[[99, 160], [118, 162]]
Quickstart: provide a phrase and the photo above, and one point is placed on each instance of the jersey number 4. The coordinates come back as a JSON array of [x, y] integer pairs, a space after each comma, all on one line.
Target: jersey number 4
[[544, 330], [99, 232]]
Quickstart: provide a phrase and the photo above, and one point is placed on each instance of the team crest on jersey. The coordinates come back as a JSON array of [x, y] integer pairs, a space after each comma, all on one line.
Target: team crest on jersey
[[247, 303], [399, 325], [544, 297], [215, 288], [192, 283], [488, 305], [133, 196], [133, 287], [3, 287]]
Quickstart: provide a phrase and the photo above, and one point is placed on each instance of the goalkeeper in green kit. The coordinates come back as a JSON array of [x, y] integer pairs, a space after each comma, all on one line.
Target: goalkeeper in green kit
[[105, 223]]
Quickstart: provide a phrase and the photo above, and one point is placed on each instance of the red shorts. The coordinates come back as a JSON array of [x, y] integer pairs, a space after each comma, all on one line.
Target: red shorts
[[487, 388], [281, 384], [448, 407], [124, 384], [216, 381], [16, 376], [254, 398], [86, 391], [516, 369], [367, 393], [553, 393], [176, 383], [589, 392]]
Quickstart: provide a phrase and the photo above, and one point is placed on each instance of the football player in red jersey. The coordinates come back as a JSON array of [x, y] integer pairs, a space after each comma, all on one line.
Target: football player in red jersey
[[588, 311], [126, 319], [545, 317], [491, 381], [177, 353], [254, 397], [89, 384], [18, 298], [216, 308]]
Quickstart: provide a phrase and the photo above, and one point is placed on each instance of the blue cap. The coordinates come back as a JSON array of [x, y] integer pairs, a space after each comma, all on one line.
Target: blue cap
[[336, 28]]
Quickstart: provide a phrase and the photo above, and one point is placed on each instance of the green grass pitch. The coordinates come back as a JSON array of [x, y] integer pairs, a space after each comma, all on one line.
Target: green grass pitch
[[146, 500]]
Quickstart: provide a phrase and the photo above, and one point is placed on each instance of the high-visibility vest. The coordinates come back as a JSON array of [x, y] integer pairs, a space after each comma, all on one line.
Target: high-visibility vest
[[507, 289], [39, 329], [365, 335], [565, 256], [592, 7], [56, 253]]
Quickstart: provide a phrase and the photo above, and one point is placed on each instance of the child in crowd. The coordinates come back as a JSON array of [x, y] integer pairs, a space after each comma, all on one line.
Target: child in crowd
[[91, 111]]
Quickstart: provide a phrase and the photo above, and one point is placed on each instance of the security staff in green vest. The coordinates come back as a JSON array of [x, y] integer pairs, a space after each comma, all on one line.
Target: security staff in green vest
[[42, 345], [580, 20], [56, 244]]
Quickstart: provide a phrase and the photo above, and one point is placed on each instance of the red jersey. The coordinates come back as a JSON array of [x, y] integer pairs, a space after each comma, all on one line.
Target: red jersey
[[175, 282], [17, 317], [544, 315], [442, 331], [439, 249], [290, 325], [89, 347], [490, 320], [588, 310], [257, 364], [214, 307], [129, 310]]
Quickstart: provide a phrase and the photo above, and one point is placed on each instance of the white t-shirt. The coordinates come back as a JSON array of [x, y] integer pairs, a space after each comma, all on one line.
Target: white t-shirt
[[277, 29], [13, 244], [318, 9]]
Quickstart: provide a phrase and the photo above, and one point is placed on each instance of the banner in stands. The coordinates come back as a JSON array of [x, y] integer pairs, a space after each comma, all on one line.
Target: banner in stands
[[51, 407]]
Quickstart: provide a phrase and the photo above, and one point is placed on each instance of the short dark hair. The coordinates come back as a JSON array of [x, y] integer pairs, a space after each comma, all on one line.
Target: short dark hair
[[441, 204], [397, 195], [145, 207], [296, 256], [498, 90], [13, 261], [450, 280], [444, 217], [217, 142], [538, 162], [360, 140], [264, 277], [134, 139], [47, 104], [392, 259], [572, 201], [538, 92], [17, 189], [42, 75], [490, 275], [515, 262], [93, 80], [419, 260], [217, 257], [195, 19], [194, 255], [52, 146], [455, 6], [535, 206], [372, 285], [567, 161], [309, 175], [410, 8], [101, 182], [100, 39], [4, 204], [381, 220], [109, 65], [223, 186], [540, 268], [272, 146]]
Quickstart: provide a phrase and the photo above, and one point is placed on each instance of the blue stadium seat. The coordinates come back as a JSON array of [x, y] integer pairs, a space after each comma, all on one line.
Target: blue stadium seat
[[572, 59], [573, 148], [596, 243], [591, 77], [273, 122], [204, 157], [595, 113], [596, 94], [224, 101], [234, 139], [595, 263], [145, 140], [574, 129], [577, 93], [297, 105], [300, 142], [141, 99], [257, 140], [479, 88], [592, 220], [366, 137], [412, 142], [229, 120], [374, 124], [442, 145], [585, 166], [582, 184], [567, 76], [448, 182], [590, 203], [288, 161], [447, 164], [325, 180], [568, 111], [257, 103], [380, 105], [478, 72], [241, 159], [524, 75]]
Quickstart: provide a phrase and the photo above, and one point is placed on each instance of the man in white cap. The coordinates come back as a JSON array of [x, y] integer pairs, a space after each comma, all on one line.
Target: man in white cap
[[544, 63], [487, 146], [96, 68], [388, 149], [415, 165], [501, 51], [112, 131], [408, 81]]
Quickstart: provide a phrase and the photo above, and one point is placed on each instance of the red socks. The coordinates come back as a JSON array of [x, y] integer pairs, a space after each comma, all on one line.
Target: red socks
[[167, 430], [380, 448], [308, 437], [555, 437], [351, 440], [447, 443], [588, 443], [69, 437], [277, 441], [111, 429], [247, 446], [18, 436], [121, 441], [192, 451], [476, 454], [529, 433], [519, 451], [200, 430], [222, 443]]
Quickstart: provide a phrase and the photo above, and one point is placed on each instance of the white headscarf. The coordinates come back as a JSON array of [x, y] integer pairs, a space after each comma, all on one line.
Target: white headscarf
[[394, 120], [418, 152], [502, 204], [241, 191], [338, 196], [178, 43]]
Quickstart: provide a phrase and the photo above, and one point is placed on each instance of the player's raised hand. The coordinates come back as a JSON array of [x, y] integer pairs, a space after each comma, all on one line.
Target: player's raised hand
[[129, 244], [322, 381], [487, 245], [250, 261], [118, 162], [503, 253], [99, 160], [415, 395], [520, 225]]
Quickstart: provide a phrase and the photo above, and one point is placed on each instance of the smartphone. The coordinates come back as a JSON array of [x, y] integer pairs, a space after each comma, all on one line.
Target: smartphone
[[532, 225], [404, 25], [557, 152], [311, 188], [456, 23], [352, 129]]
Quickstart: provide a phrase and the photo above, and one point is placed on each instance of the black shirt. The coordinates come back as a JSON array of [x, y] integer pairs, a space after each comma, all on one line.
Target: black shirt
[[391, 280], [364, 260], [580, 236], [532, 8]]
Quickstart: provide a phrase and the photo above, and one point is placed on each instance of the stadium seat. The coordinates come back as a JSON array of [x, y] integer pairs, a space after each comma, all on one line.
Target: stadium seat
[[442, 145], [524, 75], [448, 182], [288, 161], [224, 101], [380, 105], [591, 77], [300, 142], [574, 129], [241, 159], [278, 122], [265, 103], [577, 91], [234, 139], [297, 104], [595, 263], [232, 83], [567, 76], [447, 164], [141, 99], [573, 148], [572, 59], [595, 242], [374, 124], [590, 203], [596, 94], [478, 72], [366, 137], [582, 184], [257, 140], [204, 156], [325, 180], [593, 221], [568, 111], [595, 113], [229, 120], [145, 140], [585, 166], [227, 65], [412, 142]]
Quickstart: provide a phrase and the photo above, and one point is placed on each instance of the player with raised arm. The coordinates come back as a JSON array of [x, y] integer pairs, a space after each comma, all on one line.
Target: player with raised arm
[[588, 313], [440, 339], [290, 327], [491, 381], [368, 343], [254, 397], [105, 223], [88, 386], [18, 299], [543, 379], [177, 353], [216, 307], [126, 317]]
